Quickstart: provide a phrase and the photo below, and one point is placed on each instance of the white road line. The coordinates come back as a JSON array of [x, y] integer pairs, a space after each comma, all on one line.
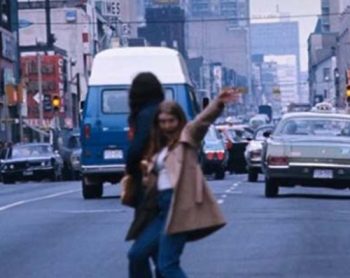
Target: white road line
[[22, 202], [91, 211], [223, 196], [220, 201], [236, 192]]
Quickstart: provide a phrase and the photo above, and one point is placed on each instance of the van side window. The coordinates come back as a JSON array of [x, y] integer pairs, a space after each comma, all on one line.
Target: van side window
[[169, 94], [115, 101]]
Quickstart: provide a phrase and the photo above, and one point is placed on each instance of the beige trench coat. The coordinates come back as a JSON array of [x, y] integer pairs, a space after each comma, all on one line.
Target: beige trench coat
[[193, 209]]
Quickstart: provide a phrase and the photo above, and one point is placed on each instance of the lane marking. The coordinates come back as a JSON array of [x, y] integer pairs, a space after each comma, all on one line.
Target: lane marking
[[223, 196], [236, 192], [22, 202], [220, 201], [77, 211]]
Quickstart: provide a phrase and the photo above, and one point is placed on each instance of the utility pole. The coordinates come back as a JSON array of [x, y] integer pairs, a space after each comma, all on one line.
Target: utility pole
[[40, 91]]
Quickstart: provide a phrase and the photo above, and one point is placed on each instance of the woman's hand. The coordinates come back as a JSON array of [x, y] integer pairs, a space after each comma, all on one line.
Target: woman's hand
[[229, 94]]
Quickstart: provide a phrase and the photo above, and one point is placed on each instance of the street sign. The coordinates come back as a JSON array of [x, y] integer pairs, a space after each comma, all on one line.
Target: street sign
[[111, 8], [36, 97]]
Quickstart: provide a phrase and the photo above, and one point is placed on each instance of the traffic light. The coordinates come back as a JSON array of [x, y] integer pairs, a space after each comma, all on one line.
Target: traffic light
[[348, 94], [56, 103]]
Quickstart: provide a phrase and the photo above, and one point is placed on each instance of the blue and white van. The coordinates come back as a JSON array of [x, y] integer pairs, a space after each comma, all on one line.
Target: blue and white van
[[104, 121]]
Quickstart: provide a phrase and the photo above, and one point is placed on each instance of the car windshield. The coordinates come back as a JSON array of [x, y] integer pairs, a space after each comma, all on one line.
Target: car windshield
[[315, 126], [30, 151], [260, 133]]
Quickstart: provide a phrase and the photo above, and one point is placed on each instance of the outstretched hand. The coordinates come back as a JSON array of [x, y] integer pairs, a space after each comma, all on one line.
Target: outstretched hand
[[229, 94]]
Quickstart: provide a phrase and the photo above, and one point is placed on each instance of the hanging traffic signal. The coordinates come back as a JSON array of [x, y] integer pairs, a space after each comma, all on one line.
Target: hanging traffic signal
[[56, 103]]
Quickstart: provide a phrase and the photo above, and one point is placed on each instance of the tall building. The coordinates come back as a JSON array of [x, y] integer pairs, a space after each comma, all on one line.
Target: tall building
[[9, 73], [280, 40], [165, 26], [218, 31], [236, 11]]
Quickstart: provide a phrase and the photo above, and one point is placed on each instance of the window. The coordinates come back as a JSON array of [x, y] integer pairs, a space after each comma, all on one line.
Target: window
[[326, 74], [115, 101]]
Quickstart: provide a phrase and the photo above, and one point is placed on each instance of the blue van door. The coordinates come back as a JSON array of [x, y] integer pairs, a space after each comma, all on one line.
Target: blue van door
[[104, 133]]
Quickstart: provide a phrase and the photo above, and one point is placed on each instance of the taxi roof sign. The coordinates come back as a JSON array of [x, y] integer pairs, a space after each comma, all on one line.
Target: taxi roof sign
[[323, 107]]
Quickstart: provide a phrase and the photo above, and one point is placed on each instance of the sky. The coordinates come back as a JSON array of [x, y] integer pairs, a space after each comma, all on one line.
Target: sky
[[305, 12]]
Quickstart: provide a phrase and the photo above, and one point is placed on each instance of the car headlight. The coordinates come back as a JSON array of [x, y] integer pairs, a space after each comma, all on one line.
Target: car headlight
[[45, 163], [75, 160], [12, 166]]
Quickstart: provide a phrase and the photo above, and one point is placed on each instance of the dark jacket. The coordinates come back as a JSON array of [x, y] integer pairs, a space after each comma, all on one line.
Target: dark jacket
[[138, 145]]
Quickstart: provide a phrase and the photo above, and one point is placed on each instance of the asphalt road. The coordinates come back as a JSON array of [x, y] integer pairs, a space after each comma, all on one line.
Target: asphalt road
[[48, 230]]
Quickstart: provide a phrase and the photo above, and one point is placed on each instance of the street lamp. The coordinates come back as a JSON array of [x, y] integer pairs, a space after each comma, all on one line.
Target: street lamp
[[40, 88], [71, 63]]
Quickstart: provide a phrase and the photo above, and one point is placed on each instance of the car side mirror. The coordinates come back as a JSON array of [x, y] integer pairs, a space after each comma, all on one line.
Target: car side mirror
[[205, 102], [82, 103], [267, 134]]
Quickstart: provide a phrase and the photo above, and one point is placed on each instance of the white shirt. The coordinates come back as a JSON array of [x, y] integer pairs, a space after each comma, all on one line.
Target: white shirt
[[163, 182]]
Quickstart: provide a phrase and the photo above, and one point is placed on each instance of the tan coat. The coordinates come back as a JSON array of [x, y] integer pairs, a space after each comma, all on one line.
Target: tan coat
[[194, 209]]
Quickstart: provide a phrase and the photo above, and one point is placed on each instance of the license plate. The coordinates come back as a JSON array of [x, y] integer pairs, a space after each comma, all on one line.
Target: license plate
[[113, 154], [323, 174], [27, 173]]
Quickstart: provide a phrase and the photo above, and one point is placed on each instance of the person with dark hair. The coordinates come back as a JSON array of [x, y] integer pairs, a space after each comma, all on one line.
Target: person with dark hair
[[145, 94], [187, 209]]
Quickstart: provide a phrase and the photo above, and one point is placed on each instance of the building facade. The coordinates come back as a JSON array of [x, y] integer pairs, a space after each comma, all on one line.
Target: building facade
[[282, 44]]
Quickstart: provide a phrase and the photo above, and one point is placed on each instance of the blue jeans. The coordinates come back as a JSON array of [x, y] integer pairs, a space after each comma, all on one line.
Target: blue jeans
[[154, 240]]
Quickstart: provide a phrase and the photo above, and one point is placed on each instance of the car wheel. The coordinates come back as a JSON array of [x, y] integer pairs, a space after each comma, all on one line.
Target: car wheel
[[7, 180], [220, 174], [252, 175], [57, 175], [92, 191], [271, 187]]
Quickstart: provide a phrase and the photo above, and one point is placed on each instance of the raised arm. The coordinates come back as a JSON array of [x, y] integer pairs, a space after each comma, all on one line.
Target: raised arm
[[195, 131]]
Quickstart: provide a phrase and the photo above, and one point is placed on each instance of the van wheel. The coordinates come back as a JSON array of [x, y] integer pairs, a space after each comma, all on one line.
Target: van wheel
[[271, 187], [92, 191]]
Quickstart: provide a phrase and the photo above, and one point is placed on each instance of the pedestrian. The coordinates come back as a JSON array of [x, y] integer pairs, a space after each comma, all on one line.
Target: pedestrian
[[145, 94], [187, 209]]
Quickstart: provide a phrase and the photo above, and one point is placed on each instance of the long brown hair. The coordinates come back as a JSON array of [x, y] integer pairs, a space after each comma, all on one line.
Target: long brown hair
[[158, 140]]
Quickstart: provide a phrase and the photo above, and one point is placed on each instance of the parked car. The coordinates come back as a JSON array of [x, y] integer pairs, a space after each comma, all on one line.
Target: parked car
[[32, 161], [214, 155], [253, 151], [236, 140], [69, 148], [308, 149]]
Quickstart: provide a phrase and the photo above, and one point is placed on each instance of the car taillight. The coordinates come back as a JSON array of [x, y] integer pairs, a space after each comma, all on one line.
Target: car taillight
[[131, 133], [87, 131], [210, 155], [220, 155], [277, 160]]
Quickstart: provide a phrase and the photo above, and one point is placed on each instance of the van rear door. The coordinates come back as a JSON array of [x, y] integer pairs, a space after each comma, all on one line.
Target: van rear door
[[106, 141]]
